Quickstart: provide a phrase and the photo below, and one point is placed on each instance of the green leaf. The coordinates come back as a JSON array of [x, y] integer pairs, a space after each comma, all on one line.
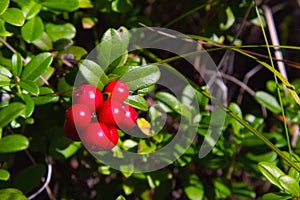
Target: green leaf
[[141, 77], [13, 16], [194, 190], [3, 31], [137, 102], [93, 73], [236, 126], [11, 194], [4, 175], [4, 80], [170, 100], [276, 196], [60, 31], [29, 105], [271, 172], [10, 112], [230, 19], [34, 173], [268, 101], [222, 189], [3, 6], [61, 5], [37, 65], [32, 29], [70, 150], [13, 143], [121, 6], [120, 198], [76, 52], [30, 87], [46, 76], [146, 147], [112, 50], [31, 10], [289, 185], [5, 72], [46, 95], [17, 64], [44, 43]]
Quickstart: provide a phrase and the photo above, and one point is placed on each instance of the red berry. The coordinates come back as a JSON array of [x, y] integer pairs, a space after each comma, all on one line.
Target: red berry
[[130, 118], [117, 90], [71, 132], [79, 116], [89, 95], [111, 112], [97, 137], [114, 136]]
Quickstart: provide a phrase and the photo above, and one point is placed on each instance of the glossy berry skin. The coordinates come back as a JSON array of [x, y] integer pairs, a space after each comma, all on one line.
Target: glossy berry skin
[[70, 132], [110, 113], [114, 136], [117, 90], [130, 118], [89, 95], [79, 116], [97, 137]]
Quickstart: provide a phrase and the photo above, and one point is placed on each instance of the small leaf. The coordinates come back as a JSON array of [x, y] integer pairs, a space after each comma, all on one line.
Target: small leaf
[[230, 19], [194, 189], [17, 64], [44, 43], [46, 76], [141, 77], [60, 31], [268, 101], [13, 16], [13, 143], [170, 101], [271, 172], [32, 29], [3, 6], [37, 65], [61, 5], [93, 73], [137, 102], [10, 112], [121, 6], [4, 175], [289, 185], [236, 126], [46, 95], [29, 105], [4, 80], [12, 193], [120, 198], [31, 10], [276, 196], [3, 31], [30, 87]]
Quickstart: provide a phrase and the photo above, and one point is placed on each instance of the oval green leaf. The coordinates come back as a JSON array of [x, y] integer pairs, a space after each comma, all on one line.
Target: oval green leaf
[[46, 95], [60, 31], [12, 193], [4, 80], [37, 65], [271, 172], [11, 112], [3, 6], [13, 16], [93, 73], [61, 5], [268, 101], [141, 77], [29, 105], [137, 102], [30, 87], [44, 43], [4, 175], [290, 185], [17, 64], [31, 10], [32, 30], [13, 143]]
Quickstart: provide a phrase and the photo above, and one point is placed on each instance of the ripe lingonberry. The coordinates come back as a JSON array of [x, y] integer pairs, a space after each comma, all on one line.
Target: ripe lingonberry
[[79, 116], [117, 90], [89, 95], [97, 137], [111, 112], [114, 136], [70, 131], [129, 120]]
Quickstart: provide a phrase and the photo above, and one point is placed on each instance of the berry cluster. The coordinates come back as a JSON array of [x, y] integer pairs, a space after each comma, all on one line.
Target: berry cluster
[[96, 119]]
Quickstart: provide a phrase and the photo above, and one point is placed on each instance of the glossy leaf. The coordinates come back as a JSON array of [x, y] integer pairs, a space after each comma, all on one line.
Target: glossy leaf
[[236, 126], [30, 87], [121, 6], [60, 31], [46, 76], [276, 196], [93, 73], [289, 185], [46, 95], [37, 65], [29, 105], [268, 101], [13, 16], [4, 80], [111, 50], [12, 194], [13, 143], [170, 101], [32, 29], [11, 112], [61, 5], [17, 64], [43, 43], [230, 19], [271, 172], [121, 197], [141, 77], [3, 31], [194, 190], [137, 102], [4, 175], [3, 6], [34, 173], [31, 10]]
